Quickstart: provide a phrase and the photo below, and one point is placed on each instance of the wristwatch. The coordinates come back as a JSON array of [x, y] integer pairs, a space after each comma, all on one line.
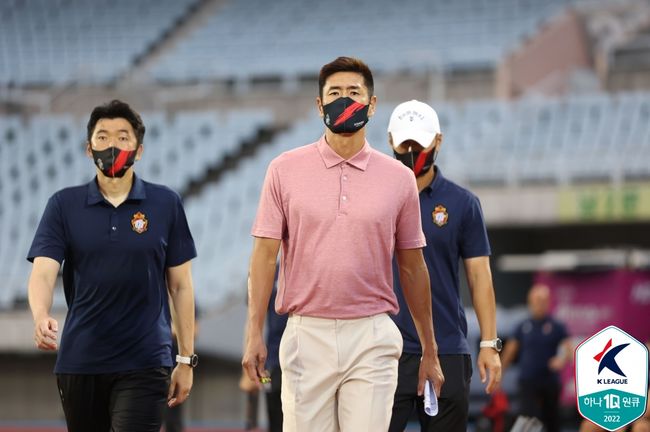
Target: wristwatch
[[497, 344], [192, 360]]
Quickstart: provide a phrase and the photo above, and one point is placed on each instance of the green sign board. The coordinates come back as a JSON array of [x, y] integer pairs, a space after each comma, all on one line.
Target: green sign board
[[629, 202]]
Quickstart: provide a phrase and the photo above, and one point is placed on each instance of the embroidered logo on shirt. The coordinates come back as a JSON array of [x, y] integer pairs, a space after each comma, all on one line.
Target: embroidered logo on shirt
[[547, 328], [440, 215], [139, 223]]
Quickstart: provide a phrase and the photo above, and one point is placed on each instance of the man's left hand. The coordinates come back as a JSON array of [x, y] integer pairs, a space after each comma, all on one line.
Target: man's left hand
[[430, 370], [489, 367], [180, 386]]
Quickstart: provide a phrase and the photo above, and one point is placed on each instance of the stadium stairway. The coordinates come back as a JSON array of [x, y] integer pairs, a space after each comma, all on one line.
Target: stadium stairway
[[264, 135], [194, 17]]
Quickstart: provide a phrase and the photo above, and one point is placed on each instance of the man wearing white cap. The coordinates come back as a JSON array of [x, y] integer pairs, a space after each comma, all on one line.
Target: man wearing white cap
[[453, 225]]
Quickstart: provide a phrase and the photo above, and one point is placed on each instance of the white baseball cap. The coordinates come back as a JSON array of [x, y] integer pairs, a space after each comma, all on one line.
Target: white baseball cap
[[414, 120]]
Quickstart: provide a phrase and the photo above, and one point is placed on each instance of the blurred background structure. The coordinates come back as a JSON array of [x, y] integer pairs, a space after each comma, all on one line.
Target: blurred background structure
[[544, 106]]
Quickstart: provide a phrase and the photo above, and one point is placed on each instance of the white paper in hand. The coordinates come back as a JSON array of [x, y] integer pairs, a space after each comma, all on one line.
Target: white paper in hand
[[430, 399]]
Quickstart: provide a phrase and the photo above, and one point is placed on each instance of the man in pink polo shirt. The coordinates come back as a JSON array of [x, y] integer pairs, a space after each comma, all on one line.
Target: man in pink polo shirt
[[339, 210]]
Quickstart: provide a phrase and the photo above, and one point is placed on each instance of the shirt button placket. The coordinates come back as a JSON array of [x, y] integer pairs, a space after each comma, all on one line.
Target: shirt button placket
[[345, 197]]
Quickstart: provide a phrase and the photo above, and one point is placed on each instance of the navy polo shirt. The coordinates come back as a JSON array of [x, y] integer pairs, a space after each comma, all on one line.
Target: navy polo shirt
[[539, 340], [114, 262], [453, 225]]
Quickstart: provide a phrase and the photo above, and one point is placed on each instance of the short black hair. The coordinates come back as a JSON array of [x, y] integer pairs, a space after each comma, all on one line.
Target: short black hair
[[117, 109], [346, 64]]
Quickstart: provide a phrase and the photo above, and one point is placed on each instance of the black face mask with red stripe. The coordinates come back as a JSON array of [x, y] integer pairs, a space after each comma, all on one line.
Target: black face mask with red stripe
[[344, 115], [114, 162], [419, 161]]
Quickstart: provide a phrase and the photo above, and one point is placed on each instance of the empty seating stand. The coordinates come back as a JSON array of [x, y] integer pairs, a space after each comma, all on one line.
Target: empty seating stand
[[45, 42], [245, 39]]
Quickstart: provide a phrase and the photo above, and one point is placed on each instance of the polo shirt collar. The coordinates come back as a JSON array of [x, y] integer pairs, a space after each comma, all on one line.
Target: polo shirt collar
[[137, 191], [331, 158], [438, 180]]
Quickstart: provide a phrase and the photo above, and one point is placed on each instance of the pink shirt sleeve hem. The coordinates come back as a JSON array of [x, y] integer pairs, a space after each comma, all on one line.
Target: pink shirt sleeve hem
[[413, 244], [266, 234]]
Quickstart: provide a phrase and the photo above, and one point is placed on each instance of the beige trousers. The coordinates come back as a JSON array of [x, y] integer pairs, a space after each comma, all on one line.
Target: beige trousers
[[339, 375]]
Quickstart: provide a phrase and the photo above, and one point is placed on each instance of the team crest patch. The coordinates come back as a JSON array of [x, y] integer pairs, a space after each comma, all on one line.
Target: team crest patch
[[440, 215], [139, 223]]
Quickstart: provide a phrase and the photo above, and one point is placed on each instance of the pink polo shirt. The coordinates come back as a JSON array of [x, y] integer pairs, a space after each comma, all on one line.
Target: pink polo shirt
[[339, 221]]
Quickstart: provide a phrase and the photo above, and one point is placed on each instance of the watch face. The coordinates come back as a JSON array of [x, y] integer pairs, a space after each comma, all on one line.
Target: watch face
[[194, 360], [498, 344]]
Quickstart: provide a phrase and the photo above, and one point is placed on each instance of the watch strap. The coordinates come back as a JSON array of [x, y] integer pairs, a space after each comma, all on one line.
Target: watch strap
[[488, 343], [496, 344], [183, 360]]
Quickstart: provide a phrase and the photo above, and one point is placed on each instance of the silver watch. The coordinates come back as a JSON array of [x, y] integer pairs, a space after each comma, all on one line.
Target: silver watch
[[192, 360], [497, 344]]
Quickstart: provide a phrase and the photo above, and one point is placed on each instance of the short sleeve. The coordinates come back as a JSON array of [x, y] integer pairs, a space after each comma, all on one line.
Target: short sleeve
[[49, 240], [408, 233], [180, 246], [473, 236], [270, 221]]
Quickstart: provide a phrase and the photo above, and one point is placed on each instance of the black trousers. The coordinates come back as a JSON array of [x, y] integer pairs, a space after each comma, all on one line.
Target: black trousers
[[541, 400], [120, 402], [174, 419], [453, 403], [274, 401]]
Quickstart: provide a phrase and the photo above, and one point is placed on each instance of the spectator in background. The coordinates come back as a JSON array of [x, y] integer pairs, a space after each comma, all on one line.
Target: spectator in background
[[127, 250], [454, 229], [544, 348], [339, 210]]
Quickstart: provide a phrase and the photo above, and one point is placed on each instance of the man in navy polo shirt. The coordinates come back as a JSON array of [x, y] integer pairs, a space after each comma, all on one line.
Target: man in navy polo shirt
[[453, 225], [126, 247], [544, 348]]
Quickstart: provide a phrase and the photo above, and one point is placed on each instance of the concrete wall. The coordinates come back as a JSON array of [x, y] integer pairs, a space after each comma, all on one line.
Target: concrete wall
[[545, 60]]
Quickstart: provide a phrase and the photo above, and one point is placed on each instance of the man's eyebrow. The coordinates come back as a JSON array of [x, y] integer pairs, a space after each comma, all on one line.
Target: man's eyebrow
[[105, 131], [353, 86]]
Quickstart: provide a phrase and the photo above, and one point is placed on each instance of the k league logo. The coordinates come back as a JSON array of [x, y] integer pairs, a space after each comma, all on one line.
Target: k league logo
[[607, 359], [611, 378]]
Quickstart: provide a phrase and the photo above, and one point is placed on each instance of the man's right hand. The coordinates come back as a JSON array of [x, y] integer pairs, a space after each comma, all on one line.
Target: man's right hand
[[430, 370], [255, 359], [45, 331]]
